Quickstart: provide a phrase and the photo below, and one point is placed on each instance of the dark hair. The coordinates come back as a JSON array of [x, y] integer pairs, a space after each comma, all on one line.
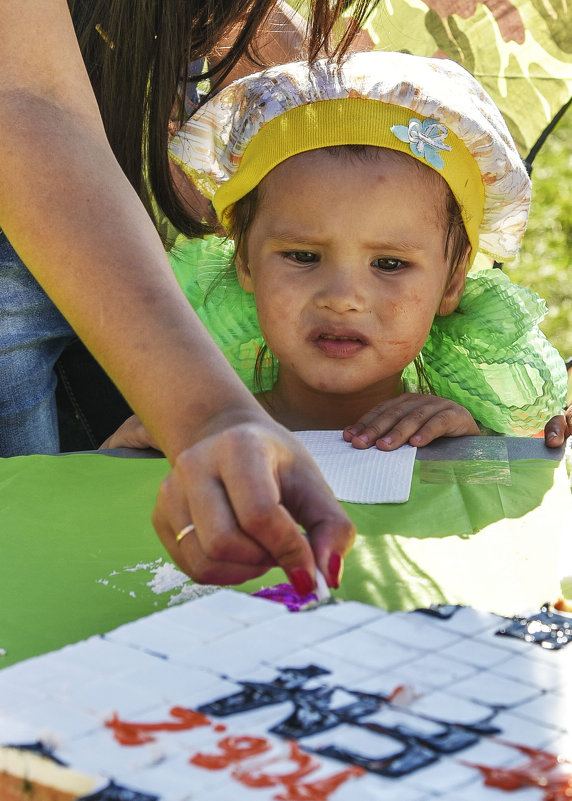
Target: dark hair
[[137, 56], [456, 251]]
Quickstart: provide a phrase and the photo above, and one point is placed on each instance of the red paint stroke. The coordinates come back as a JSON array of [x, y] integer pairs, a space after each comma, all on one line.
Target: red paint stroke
[[259, 777], [321, 789], [140, 733], [234, 748], [550, 772], [402, 695], [395, 692]]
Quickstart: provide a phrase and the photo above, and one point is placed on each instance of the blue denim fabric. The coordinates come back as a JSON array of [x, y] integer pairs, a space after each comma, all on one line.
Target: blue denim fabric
[[33, 334]]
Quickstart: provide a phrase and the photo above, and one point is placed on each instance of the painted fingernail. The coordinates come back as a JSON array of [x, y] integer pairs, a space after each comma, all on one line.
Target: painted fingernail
[[301, 581], [363, 438], [415, 439], [335, 569], [387, 440]]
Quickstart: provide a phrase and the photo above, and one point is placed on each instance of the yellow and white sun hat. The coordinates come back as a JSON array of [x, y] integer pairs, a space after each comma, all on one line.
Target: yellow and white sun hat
[[429, 108]]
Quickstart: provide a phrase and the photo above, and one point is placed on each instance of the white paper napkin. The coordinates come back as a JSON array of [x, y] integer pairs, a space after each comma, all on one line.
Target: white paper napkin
[[361, 476]]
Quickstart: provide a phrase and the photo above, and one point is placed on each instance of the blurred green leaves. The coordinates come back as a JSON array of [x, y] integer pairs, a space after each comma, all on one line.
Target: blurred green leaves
[[545, 261]]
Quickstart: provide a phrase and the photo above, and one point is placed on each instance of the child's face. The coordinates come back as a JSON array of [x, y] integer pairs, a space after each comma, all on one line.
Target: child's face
[[346, 261]]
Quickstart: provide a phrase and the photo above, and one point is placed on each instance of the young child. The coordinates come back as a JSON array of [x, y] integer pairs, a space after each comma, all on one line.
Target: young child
[[357, 198]]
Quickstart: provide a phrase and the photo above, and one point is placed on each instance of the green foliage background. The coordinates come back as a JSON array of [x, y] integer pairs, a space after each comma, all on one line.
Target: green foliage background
[[544, 262]]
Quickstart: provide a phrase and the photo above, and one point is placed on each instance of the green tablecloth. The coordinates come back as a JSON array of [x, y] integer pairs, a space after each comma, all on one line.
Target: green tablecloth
[[79, 556]]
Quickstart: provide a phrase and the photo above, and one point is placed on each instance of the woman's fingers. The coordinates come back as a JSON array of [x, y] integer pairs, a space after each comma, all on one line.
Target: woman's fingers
[[216, 551], [329, 530], [247, 490]]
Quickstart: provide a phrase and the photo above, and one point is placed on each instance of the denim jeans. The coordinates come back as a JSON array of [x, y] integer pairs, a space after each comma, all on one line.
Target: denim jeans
[[33, 334]]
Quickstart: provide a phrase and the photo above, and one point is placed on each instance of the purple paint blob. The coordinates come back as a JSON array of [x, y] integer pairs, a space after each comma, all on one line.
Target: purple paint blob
[[287, 595]]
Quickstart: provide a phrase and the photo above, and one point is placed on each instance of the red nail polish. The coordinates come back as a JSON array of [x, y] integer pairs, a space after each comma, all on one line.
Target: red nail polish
[[301, 581], [335, 569]]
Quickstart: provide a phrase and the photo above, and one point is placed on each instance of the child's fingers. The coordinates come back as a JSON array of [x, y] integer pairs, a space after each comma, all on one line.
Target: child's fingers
[[448, 422], [393, 422], [556, 430], [130, 434], [426, 423], [413, 424], [381, 419], [417, 419]]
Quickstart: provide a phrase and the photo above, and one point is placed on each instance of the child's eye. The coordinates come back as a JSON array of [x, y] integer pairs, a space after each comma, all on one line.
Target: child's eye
[[388, 265], [302, 256]]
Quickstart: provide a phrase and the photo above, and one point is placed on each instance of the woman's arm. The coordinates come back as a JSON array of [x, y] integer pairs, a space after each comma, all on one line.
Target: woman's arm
[[79, 226]]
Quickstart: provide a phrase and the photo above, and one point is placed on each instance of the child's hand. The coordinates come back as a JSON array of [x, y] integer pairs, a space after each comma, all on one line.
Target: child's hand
[[558, 429], [130, 434], [413, 418]]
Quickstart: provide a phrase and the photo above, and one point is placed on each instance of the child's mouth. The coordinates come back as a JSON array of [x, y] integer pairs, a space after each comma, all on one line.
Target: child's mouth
[[339, 346], [342, 338]]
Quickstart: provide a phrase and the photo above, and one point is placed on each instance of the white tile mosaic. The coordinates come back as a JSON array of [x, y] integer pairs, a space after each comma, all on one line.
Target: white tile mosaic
[[231, 697]]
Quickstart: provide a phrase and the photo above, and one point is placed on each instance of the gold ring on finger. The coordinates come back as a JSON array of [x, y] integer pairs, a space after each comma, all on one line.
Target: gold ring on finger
[[183, 532]]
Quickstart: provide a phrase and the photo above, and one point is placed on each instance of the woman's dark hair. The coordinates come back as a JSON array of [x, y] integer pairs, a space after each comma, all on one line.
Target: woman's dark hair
[[137, 56]]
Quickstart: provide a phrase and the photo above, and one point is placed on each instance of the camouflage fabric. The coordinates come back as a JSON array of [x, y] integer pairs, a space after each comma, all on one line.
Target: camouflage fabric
[[519, 50]]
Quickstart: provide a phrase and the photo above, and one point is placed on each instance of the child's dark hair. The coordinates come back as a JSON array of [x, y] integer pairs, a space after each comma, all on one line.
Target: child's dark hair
[[457, 246]]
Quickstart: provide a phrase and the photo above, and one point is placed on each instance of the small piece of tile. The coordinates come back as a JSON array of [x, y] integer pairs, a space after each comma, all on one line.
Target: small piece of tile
[[367, 649], [340, 670], [58, 721], [534, 672], [467, 621], [413, 630], [477, 652], [546, 709], [350, 613], [239, 606], [447, 707], [499, 692], [14, 732], [312, 631], [526, 732], [479, 792], [433, 671], [443, 777]]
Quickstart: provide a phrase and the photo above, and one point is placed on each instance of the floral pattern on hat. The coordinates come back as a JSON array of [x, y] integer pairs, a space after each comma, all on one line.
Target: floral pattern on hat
[[425, 139]]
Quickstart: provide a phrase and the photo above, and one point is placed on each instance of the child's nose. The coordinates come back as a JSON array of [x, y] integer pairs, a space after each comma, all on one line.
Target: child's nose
[[342, 291]]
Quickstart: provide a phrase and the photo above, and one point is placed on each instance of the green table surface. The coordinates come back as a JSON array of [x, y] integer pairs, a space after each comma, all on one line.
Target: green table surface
[[79, 556]]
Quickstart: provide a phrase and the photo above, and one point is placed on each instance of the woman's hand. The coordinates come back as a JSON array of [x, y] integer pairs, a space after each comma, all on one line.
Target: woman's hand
[[411, 418], [558, 429], [247, 487], [244, 489]]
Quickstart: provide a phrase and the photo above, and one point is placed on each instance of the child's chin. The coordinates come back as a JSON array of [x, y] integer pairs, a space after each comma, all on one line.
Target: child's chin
[[339, 387]]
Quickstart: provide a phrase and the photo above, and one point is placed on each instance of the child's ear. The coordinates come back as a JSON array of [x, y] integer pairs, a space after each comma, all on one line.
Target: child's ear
[[243, 272], [453, 292]]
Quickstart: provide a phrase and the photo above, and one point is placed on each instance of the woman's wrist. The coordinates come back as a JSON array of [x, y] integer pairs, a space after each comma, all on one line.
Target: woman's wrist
[[189, 429]]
